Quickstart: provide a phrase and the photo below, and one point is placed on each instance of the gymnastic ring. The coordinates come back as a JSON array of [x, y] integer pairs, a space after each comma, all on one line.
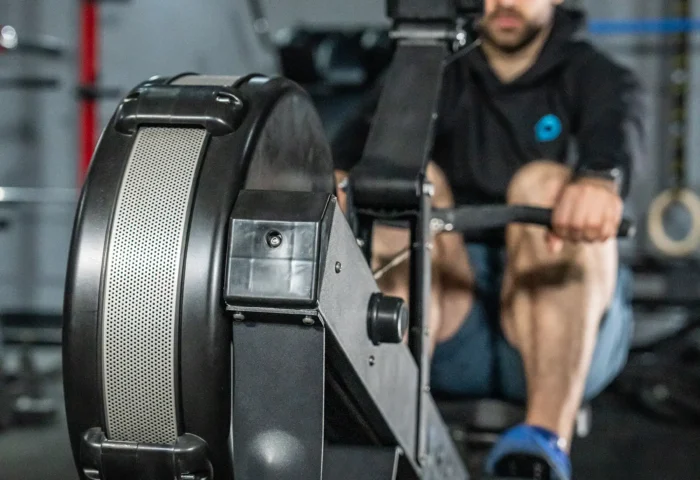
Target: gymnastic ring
[[655, 226]]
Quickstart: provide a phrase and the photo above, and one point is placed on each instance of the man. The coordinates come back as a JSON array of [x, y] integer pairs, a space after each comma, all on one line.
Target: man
[[546, 319]]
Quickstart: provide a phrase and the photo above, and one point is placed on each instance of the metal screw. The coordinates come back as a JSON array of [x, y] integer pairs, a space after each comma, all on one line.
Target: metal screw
[[679, 76], [437, 225], [426, 389], [461, 39], [459, 435], [440, 457], [338, 267], [8, 37], [238, 316], [371, 360], [274, 239], [261, 26], [308, 321], [660, 392]]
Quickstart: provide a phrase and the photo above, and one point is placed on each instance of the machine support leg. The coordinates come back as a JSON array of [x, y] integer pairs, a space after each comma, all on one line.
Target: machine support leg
[[278, 399], [365, 463]]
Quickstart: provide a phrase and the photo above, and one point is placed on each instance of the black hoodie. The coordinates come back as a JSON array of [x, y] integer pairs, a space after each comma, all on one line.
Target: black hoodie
[[573, 99]]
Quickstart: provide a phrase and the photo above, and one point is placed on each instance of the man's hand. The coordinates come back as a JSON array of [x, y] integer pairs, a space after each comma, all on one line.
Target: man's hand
[[588, 210]]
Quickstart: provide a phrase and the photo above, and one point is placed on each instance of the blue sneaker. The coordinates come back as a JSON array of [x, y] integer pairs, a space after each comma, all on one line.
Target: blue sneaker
[[529, 452]]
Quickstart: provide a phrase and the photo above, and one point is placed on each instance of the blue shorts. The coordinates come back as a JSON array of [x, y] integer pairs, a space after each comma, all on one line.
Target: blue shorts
[[479, 362]]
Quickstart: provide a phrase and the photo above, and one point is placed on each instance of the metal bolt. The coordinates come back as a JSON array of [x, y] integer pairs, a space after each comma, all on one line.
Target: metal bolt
[[436, 225], [660, 392], [261, 26], [440, 457], [360, 243], [371, 360], [274, 239], [679, 76], [429, 189], [426, 389], [369, 39], [338, 267], [238, 316], [308, 321], [459, 435], [8, 37]]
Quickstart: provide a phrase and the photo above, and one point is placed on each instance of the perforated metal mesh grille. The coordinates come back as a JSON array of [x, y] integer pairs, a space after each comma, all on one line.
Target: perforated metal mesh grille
[[142, 279]]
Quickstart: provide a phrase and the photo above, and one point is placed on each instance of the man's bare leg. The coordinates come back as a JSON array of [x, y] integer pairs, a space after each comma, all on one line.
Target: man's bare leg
[[553, 303]]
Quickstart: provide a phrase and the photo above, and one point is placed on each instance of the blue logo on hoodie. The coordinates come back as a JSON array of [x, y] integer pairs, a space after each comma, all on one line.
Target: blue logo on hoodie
[[548, 128]]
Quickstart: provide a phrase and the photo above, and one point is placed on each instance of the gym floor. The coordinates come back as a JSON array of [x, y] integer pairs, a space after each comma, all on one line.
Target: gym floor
[[624, 444]]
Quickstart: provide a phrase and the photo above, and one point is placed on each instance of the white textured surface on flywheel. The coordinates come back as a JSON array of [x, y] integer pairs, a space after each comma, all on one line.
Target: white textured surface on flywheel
[[140, 304], [216, 80]]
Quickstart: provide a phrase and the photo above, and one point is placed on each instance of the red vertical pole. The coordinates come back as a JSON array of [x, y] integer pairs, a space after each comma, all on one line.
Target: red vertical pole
[[89, 64]]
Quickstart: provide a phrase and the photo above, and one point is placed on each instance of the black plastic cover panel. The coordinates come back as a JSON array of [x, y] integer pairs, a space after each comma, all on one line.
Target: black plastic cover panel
[[102, 459], [218, 109], [274, 247]]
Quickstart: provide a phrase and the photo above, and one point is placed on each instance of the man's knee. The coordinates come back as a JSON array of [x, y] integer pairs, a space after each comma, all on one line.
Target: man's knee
[[531, 263], [538, 183]]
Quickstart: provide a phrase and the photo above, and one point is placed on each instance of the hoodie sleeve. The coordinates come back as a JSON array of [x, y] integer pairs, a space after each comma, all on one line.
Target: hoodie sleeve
[[611, 132]]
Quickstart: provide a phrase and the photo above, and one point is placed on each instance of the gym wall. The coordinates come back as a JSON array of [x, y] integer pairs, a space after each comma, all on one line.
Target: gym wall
[[141, 38], [38, 148]]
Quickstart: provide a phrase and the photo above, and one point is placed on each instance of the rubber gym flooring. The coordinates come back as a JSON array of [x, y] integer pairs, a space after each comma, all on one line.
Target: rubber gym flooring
[[624, 444]]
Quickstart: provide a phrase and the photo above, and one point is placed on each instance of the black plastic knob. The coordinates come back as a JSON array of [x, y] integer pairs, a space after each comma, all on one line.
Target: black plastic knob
[[387, 319]]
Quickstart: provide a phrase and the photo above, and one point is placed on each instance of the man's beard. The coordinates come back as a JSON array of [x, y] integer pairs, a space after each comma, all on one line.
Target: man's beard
[[529, 35]]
